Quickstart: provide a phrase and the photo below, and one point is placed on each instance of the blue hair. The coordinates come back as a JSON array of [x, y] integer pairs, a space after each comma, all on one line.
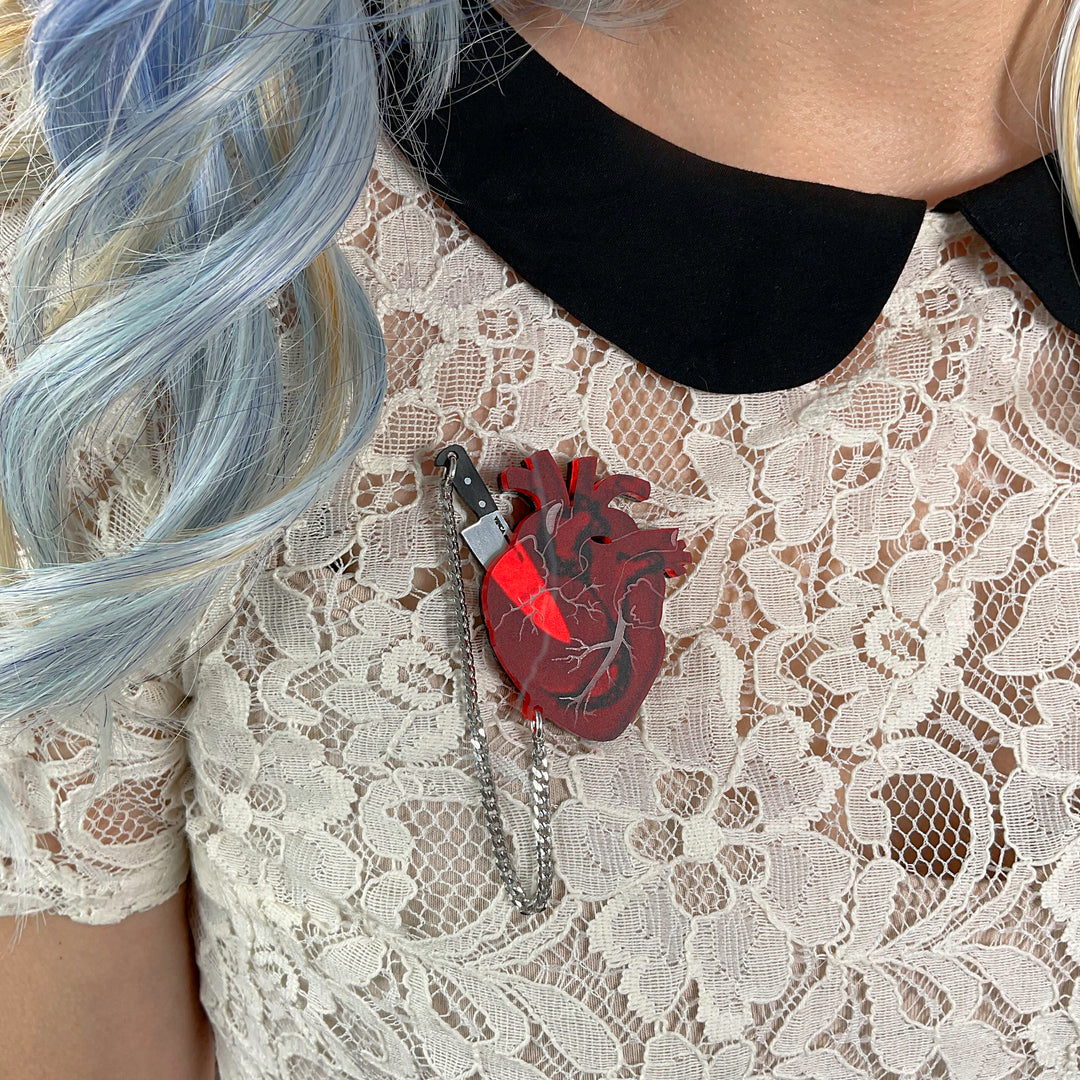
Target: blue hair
[[206, 153], [205, 159]]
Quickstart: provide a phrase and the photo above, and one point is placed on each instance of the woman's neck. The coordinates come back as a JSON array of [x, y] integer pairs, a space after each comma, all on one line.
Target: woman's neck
[[920, 98]]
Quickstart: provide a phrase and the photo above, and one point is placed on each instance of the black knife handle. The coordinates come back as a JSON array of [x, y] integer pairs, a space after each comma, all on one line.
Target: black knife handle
[[467, 482]]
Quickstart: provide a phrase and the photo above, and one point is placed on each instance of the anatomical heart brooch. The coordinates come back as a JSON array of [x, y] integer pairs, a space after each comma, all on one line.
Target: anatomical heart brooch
[[572, 600]]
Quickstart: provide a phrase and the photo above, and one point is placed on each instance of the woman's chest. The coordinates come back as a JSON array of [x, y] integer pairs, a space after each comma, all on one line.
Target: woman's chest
[[879, 619], [892, 543]]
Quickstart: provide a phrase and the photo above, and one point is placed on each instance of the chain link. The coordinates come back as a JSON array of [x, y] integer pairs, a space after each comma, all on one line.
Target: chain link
[[539, 780]]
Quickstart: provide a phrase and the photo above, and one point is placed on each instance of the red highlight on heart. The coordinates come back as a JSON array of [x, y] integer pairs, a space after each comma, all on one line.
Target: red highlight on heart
[[573, 606], [516, 575]]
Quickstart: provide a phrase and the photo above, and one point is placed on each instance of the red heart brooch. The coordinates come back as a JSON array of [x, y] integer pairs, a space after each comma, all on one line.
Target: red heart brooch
[[573, 605]]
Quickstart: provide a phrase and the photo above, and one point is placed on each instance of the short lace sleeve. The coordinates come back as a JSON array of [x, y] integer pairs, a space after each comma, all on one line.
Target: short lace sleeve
[[96, 844]]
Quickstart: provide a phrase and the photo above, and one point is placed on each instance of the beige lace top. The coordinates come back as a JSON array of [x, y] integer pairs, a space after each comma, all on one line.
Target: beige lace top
[[841, 840]]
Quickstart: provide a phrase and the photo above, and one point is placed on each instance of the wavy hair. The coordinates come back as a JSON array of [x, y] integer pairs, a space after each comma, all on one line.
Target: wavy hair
[[192, 161], [196, 158]]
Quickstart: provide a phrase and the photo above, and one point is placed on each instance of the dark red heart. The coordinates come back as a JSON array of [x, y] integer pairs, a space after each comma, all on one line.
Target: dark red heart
[[573, 607]]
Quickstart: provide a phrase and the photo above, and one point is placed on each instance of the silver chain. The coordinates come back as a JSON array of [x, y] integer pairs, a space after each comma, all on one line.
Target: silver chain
[[539, 796]]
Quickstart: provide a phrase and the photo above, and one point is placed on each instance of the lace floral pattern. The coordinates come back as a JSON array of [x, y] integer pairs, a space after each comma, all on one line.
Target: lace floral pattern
[[96, 852], [841, 840]]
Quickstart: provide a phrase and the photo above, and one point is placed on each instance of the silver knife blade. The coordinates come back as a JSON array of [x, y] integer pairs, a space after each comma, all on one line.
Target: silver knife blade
[[488, 537]]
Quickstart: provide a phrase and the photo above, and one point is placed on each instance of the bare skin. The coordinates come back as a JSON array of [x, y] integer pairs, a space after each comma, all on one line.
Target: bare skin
[[919, 98], [117, 1002]]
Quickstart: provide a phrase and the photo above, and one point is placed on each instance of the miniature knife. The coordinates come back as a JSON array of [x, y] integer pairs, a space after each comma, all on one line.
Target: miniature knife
[[489, 536]]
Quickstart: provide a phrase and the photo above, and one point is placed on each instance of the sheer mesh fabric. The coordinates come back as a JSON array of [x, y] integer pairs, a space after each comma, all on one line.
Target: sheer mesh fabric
[[841, 840], [97, 853]]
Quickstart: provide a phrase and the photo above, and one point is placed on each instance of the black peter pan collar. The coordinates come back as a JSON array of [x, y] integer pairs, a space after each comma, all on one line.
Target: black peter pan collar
[[717, 277]]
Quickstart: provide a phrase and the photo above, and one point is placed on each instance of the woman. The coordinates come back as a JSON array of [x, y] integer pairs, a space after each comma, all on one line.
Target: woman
[[838, 836]]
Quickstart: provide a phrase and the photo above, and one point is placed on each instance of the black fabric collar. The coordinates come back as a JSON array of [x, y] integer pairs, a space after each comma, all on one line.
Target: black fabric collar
[[719, 278]]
